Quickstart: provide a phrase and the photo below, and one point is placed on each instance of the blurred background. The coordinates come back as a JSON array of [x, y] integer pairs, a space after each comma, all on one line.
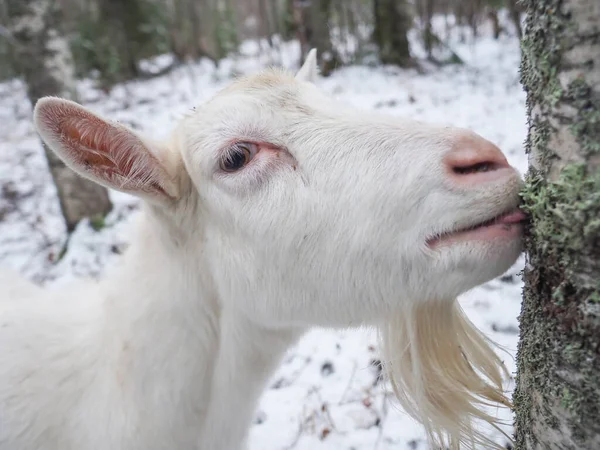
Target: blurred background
[[111, 40], [146, 63]]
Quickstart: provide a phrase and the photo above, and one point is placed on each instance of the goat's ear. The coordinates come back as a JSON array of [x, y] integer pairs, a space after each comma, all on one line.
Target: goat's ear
[[105, 152], [310, 68]]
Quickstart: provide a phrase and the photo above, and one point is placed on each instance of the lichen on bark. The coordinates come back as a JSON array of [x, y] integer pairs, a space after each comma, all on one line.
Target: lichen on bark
[[557, 397], [557, 400]]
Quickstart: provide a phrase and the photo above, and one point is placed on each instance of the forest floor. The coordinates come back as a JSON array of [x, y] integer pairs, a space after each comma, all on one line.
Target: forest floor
[[326, 394]]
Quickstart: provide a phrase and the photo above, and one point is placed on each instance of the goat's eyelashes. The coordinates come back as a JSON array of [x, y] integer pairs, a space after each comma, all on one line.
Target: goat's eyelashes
[[237, 156]]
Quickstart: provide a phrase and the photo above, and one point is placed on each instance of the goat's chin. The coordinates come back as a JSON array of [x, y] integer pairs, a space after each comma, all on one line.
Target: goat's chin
[[443, 371], [467, 264]]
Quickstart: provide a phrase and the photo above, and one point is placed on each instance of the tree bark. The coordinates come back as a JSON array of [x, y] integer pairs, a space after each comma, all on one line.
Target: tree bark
[[392, 22], [43, 58], [557, 396]]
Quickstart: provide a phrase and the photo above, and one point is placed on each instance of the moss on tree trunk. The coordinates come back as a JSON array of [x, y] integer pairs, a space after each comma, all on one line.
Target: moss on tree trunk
[[557, 397]]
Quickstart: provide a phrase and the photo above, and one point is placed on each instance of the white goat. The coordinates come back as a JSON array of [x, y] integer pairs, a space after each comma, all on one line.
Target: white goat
[[271, 210]]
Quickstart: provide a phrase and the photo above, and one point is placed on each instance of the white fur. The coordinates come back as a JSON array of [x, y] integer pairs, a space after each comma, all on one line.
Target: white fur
[[226, 270]]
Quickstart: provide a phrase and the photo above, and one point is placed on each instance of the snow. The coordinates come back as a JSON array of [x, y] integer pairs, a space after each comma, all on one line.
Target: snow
[[326, 394]]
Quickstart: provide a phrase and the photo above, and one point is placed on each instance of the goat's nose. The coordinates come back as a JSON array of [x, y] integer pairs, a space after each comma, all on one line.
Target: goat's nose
[[473, 158]]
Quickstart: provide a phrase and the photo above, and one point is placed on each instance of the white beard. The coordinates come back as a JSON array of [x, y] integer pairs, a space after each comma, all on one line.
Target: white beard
[[432, 356]]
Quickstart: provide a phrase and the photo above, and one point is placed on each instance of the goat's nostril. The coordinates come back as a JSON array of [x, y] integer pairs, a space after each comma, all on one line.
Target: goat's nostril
[[471, 154]]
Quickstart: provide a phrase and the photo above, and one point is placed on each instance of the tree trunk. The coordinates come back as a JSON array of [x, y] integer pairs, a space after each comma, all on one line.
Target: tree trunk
[[557, 396], [497, 29], [288, 23], [121, 22], [191, 29], [514, 9], [44, 60], [392, 22], [311, 18], [267, 25]]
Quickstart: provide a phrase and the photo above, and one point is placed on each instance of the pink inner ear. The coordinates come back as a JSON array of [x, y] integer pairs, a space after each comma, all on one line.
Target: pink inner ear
[[106, 152], [95, 145]]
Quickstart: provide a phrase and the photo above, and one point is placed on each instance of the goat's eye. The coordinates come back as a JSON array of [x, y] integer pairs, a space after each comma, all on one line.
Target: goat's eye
[[238, 155]]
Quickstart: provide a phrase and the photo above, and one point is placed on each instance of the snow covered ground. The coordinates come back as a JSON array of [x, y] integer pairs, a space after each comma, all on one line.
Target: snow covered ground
[[326, 394]]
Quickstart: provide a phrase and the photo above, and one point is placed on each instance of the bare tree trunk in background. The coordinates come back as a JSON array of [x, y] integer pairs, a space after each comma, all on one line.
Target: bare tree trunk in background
[[493, 16], [202, 24], [392, 22], [70, 11], [275, 7], [311, 18], [121, 21], [557, 396], [191, 29], [514, 9], [288, 21], [44, 60], [267, 21], [177, 32], [427, 17], [255, 19], [470, 13]]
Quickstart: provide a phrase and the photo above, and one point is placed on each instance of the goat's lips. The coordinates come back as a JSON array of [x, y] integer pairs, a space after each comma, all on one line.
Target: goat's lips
[[507, 225]]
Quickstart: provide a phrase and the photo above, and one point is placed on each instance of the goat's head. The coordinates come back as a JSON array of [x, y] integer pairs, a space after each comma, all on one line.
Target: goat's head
[[314, 214]]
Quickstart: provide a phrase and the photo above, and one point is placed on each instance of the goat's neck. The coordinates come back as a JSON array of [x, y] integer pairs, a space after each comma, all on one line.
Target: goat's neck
[[183, 340]]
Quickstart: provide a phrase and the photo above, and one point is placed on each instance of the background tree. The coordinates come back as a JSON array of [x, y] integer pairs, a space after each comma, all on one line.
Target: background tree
[[311, 19], [42, 57], [515, 8], [120, 21], [111, 40], [112, 36], [392, 22], [557, 398]]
